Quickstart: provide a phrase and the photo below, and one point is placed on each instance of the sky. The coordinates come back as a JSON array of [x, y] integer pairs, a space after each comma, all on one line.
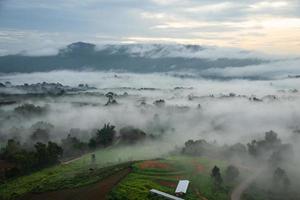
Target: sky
[[43, 25]]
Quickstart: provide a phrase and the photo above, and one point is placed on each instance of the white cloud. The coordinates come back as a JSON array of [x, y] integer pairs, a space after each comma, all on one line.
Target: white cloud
[[224, 22], [272, 70], [268, 4], [211, 8]]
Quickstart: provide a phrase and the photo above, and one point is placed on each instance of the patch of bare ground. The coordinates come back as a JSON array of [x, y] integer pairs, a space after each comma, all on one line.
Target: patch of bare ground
[[96, 191]]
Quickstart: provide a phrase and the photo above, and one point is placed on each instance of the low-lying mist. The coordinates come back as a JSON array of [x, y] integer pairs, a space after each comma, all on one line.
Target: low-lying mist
[[226, 111], [163, 110], [223, 110]]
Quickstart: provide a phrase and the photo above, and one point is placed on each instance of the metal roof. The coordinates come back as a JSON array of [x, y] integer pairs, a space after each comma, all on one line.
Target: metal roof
[[182, 186], [166, 195]]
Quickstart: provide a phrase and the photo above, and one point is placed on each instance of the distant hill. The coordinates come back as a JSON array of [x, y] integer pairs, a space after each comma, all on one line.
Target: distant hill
[[132, 58]]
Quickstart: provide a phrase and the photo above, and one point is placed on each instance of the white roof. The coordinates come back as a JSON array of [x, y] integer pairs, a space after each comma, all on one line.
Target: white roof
[[166, 195], [182, 186]]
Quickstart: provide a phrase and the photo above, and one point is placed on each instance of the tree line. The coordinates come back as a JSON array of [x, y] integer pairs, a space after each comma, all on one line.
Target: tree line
[[42, 153], [269, 150], [27, 160]]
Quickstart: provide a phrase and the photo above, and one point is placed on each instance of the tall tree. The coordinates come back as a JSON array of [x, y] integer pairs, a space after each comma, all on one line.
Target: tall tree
[[216, 176], [106, 135], [281, 180], [231, 173], [54, 152], [41, 154]]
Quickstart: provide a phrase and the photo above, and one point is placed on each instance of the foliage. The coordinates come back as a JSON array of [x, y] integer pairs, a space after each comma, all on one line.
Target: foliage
[[197, 147], [42, 125], [29, 160], [73, 146], [69, 175], [138, 183], [30, 110], [231, 173], [216, 177], [260, 147], [104, 137], [236, 150], [281, 180], [40, 135], [130, 134]]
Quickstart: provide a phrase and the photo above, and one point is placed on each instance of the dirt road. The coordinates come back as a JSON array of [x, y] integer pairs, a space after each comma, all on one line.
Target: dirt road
[[239, 190]]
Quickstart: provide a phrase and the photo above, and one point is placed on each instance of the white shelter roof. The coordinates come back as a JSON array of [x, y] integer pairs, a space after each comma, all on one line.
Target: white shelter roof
[[166, 195], [182, 186]]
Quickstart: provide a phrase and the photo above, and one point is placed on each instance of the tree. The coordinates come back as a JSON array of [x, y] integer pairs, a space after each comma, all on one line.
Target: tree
[[231, 173], [237, 149], [159, 102], [30, 110], [41, 154], [197, 147], [284, 153], [130, 134], [281, 180], [12, 148], [47, 154], [40, 135], [269, 144], [42, 125], [22, 159], [26, 160], [92, 143], [216, 176], [106, 135], [252, 148], [111, 100], [73, 146], [271, 137], [54, 152]]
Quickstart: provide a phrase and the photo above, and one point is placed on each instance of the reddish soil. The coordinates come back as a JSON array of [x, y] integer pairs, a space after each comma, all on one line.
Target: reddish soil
[[96, 191], [199, 168], [177, 177], [167, 183], [154, 164]]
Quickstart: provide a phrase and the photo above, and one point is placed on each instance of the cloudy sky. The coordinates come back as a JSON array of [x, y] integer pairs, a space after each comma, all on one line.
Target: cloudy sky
[[43, 25]]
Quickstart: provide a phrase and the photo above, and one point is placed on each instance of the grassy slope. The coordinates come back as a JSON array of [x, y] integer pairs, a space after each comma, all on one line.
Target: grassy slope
[[73, 174], [70, 175], [137, 184]]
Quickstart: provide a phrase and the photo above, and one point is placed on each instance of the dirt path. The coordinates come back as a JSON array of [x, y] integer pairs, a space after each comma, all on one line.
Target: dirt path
[[200, 197], [72, 160], [239, 190], [96, 191]]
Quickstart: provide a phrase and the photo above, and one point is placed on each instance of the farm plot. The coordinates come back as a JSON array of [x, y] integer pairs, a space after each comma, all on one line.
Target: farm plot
[[164, 174]]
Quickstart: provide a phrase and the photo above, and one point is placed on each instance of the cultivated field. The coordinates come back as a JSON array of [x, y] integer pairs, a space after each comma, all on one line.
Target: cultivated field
[[72, 174], [163, 175], [127, 179]]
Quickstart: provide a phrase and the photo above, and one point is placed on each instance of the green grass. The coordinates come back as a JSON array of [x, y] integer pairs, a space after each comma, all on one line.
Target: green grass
[[138, 183], [135, 186], [74, 174]]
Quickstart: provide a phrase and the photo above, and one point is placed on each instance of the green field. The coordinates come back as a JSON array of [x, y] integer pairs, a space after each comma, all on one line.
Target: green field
[[135, 186], [165, 176], [73, 174]]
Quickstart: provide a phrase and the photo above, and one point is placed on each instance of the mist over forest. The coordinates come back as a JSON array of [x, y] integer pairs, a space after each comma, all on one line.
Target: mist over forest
[[149, 100], [248, 115]]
